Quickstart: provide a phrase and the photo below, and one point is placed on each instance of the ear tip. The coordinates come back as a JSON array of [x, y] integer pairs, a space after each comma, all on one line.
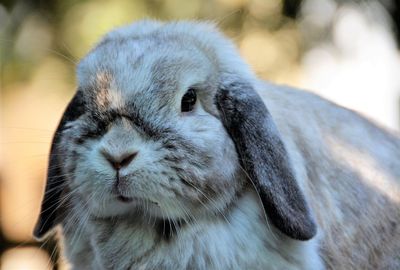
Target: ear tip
[[37, 231], [303, 232], [298, 227], [40, 231], [309, 233]]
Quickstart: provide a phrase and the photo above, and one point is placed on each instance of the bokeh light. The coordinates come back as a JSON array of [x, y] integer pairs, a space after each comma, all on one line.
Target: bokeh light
[[26, 258]]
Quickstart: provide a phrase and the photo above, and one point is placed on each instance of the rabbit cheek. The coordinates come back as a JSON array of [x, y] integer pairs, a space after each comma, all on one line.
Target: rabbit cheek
[[208, 168], [78, 168]]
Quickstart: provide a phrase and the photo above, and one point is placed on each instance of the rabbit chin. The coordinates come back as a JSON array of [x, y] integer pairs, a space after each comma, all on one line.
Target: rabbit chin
[[115, 205]]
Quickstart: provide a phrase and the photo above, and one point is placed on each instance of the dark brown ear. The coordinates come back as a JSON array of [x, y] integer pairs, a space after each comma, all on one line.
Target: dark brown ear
[[264, 157], [55, 178]]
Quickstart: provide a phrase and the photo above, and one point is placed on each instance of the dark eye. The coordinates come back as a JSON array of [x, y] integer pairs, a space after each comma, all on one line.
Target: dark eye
[[188, 100]]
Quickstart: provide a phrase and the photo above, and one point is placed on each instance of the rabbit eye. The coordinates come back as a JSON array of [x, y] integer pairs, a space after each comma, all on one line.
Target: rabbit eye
[[188, 100]]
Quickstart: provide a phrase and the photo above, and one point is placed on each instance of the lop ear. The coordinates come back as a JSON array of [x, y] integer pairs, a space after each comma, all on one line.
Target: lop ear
[[55, 179], [264, 157]]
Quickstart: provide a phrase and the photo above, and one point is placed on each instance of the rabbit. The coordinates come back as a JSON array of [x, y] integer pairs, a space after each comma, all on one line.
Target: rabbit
[[172, 154]]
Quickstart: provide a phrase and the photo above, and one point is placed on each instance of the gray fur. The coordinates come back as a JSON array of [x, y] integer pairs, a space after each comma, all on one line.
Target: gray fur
[[235, 193], [264, 157]]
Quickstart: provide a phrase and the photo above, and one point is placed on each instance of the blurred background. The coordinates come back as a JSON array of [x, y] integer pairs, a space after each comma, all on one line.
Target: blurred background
[[347, 51]]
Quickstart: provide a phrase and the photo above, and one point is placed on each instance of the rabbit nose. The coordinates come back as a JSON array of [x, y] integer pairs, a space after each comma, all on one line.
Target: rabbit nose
[[119, 161]]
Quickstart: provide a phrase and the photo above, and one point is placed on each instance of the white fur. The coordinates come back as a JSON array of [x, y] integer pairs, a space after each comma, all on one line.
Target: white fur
[[244, 239]]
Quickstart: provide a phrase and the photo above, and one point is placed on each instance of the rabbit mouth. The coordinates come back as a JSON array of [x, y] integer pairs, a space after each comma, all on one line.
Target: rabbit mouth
[[127, 199], [120, 196], [119, 190], [124, 199]]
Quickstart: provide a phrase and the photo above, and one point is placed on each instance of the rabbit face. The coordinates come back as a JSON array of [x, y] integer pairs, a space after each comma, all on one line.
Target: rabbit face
[[133, 149], [166, 124]]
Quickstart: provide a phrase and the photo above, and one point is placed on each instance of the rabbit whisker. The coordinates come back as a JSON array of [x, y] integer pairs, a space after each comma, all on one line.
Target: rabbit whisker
[[258, 195], [213, 203]]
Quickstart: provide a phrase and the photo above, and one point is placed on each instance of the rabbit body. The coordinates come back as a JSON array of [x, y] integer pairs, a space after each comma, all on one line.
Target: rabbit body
[[349, 170], [254, 176], [237, 241]]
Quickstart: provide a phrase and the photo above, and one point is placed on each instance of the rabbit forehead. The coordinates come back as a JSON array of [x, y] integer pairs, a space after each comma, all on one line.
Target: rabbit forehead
[[135, 70]]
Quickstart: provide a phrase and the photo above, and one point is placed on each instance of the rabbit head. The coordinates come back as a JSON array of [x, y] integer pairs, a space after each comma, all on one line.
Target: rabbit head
[[166, 124]]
